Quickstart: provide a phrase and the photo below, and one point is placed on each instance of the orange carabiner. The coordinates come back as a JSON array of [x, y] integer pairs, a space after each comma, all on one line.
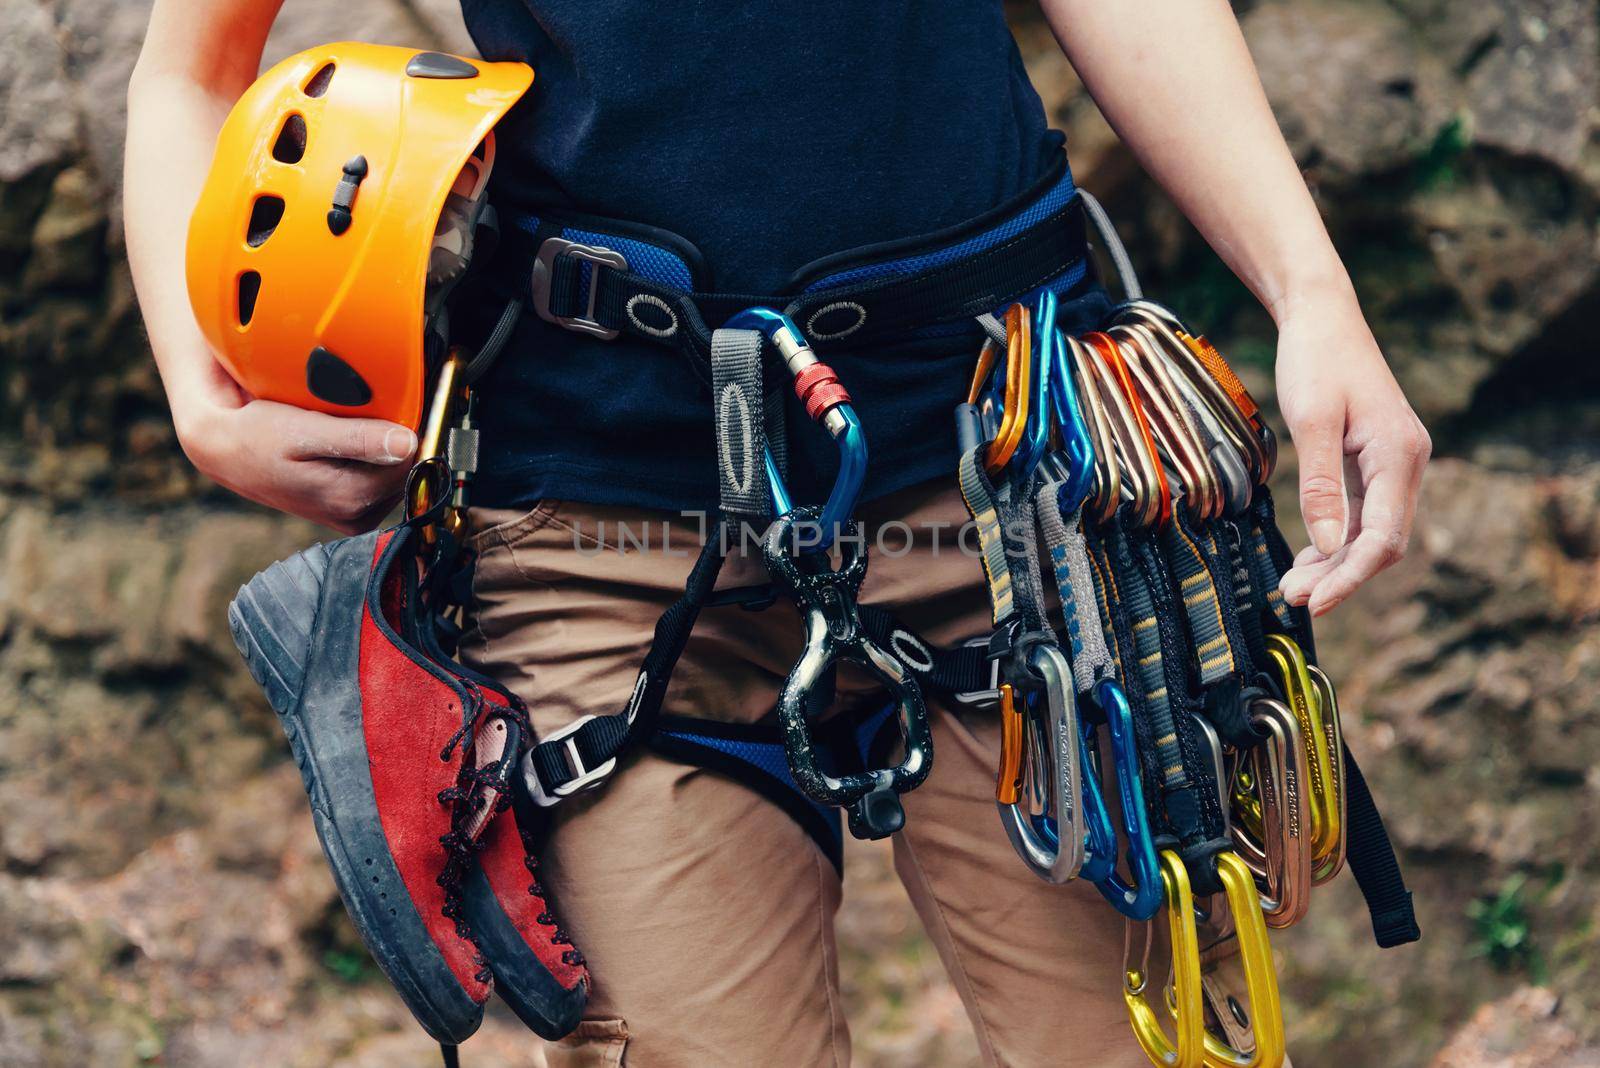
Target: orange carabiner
[[1019, 381], [1008, 785], [1105, 346]]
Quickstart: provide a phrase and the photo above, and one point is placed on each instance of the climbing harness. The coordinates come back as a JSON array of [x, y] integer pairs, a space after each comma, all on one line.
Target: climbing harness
[[1127, 461]]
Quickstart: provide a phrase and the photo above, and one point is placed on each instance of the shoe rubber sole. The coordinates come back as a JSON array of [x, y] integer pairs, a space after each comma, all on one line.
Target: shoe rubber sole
[[298, 626]]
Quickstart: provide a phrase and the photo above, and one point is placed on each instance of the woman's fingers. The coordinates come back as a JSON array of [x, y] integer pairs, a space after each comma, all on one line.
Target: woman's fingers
[[316, 436], [1319, 440], [1384, 530], [342, 473], [350, 497]]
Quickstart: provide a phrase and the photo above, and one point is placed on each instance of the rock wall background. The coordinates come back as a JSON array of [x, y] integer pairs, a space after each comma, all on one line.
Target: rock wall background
[[162, 899]]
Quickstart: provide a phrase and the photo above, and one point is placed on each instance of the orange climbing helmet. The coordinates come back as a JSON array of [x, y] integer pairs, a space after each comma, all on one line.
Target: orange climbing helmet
[[341, 208]]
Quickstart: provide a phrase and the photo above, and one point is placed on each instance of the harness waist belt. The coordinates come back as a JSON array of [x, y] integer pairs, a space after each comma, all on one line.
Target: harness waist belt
[[608, 278]]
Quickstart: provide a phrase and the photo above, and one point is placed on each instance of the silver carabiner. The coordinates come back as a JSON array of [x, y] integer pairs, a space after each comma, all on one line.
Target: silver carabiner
[[1053, 776]]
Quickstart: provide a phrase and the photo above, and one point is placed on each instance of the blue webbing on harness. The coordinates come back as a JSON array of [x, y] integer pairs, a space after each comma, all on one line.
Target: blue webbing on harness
[[754, 755]]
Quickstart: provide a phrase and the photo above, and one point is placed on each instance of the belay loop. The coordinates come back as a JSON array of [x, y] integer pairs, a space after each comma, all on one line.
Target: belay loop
[[826, 597]]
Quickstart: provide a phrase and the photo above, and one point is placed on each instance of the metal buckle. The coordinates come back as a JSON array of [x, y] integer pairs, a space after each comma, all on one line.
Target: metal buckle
[[583, 778], [989, 698], [544, 267]]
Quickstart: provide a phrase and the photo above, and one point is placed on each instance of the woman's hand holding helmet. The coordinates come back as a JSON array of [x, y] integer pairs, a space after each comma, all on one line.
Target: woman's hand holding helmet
[[343, 472]]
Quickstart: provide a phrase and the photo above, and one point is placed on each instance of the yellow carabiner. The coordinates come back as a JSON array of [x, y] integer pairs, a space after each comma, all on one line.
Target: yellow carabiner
[[1327, 824], [1008, 785], [1260, 974], [448, 394], [1185, 1000], [1328, 865]]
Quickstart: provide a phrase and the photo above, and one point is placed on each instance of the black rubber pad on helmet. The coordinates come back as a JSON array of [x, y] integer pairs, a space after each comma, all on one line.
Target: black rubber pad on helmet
[[439, 65], [331, 379]]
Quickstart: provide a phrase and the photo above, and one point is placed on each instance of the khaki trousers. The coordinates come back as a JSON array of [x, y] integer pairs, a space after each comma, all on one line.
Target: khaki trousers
[[705, 912]]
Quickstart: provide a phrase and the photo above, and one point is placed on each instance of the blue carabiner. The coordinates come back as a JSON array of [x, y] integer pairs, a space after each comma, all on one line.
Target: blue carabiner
[[1076, 440], [1142, 900], [1036, 436], [839, 420]]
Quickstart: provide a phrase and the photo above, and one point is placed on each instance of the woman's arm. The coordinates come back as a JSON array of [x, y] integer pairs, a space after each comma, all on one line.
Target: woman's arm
[[198, 57], [1176, 82]]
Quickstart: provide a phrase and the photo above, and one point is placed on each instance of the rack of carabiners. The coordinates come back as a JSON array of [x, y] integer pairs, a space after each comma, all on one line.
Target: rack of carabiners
[[1131, 465]]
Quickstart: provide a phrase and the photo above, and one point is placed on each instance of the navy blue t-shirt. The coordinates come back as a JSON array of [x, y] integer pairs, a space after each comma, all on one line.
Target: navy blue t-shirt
[[767, 136]]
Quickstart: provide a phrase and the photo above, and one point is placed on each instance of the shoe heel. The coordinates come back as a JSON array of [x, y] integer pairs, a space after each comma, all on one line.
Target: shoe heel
[[271, 618]]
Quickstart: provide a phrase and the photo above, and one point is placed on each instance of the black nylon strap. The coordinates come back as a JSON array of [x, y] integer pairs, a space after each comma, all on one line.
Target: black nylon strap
[[964, 669], [1252, 607], [1272, 559], [1368, 851], [1370, 855], [605, 737], [1119, 635]]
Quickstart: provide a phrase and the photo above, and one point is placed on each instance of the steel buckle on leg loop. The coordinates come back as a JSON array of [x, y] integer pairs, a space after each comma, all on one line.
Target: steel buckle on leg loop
[[543, 282], [985, 698], [1185, 1001], [582, 778]]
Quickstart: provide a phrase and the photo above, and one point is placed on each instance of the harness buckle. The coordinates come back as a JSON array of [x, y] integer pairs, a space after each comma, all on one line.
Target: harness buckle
[[543, 279], [990, 697], [582, 778]]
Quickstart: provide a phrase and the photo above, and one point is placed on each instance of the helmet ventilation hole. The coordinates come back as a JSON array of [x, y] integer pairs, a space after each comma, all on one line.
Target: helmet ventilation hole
[[290, 147], [265, 215], [318, 83], [249, 289]]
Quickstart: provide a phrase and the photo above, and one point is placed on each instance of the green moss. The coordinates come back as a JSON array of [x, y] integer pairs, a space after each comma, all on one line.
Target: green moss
[[1206, 295], [350, 966], [1439, 165], [1502, 928]]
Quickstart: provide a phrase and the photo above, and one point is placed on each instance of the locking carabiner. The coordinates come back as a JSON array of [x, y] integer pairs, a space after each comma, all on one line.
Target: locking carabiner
[[1186, 998], [828, 405]]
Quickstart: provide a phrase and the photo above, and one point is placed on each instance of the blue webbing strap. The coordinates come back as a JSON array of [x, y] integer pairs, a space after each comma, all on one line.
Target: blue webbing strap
[[753, 754]]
